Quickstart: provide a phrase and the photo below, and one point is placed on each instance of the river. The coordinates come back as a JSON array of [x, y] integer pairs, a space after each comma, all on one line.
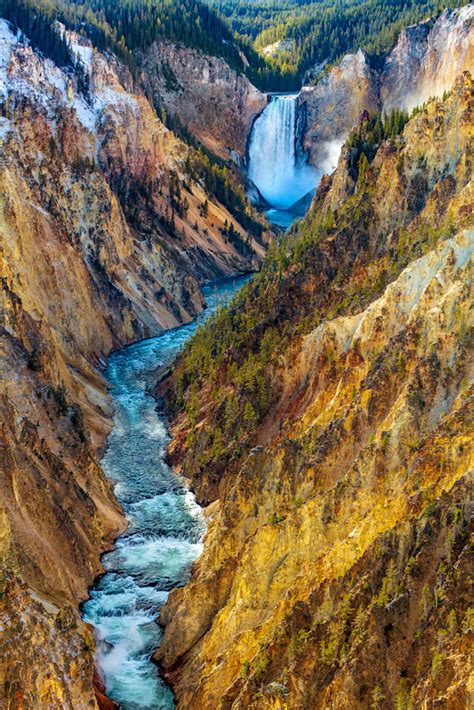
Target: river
[[165, 530]]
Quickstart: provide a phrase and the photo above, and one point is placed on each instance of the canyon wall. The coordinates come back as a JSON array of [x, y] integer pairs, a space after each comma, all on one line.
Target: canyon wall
[[325, 420], [329, 110], [213, 101], [427, 59], [424, 63], [105, 238]]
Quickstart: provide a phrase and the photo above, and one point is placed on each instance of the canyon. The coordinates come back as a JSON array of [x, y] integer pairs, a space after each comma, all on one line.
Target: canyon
[[105, 239], [425, 62], [338, 485], [323, 421]]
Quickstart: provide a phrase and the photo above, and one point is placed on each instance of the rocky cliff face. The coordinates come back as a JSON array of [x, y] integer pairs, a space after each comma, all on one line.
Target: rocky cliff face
[[425, 62], [104, 239], [212, 100], [427, 59], [326, 419], [329, 110], [112, 144]]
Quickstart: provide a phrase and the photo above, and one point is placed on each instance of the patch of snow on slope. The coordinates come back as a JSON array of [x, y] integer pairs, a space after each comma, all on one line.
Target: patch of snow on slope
[[110, 96], [4, 128], [84, 53], [24, 72], [80, 46], [7, 42], [106, 90], [85, 113]]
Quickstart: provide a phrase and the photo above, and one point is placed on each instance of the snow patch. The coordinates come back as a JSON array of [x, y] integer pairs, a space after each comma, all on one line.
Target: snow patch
[[5, 128], [24, 72], [111, 96], [85, 54], [7, 41], [85, 113], [80, 46]]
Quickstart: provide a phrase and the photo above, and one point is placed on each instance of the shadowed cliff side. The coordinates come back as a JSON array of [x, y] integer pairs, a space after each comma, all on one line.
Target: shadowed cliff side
[[213, 101], [326, 418]]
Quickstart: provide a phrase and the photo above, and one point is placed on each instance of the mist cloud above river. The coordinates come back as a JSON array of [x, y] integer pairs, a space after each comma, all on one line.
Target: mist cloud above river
[[331, 150]]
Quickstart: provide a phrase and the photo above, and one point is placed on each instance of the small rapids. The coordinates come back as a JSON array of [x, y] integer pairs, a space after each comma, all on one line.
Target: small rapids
[[166, 525]]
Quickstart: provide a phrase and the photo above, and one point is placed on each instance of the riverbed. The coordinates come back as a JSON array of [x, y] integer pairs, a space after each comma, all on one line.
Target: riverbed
[[165, 524]]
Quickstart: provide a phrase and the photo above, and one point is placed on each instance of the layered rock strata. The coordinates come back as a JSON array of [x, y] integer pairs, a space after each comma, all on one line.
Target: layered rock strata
[[104, 239], [424, 63], [336, 568]]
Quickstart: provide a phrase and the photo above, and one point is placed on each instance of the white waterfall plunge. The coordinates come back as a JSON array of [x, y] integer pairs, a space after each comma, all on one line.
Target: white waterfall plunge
[[273, 164]]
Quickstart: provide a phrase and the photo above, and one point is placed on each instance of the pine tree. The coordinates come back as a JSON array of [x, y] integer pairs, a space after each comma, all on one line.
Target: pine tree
[[363, 166], [249, 417]]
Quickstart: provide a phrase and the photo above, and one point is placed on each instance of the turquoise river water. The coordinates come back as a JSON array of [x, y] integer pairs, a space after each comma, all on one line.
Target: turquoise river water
[[166, 525]]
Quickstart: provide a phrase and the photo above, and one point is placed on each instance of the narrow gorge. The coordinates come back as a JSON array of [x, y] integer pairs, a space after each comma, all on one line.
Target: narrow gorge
[[236, 370], [165, 524], [333, 447]]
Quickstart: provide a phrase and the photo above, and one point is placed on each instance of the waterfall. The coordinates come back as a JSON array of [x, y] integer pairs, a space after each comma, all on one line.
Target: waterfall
[[273, 164]]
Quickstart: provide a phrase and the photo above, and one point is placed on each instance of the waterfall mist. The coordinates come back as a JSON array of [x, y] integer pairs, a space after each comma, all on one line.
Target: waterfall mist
[[273, 163]]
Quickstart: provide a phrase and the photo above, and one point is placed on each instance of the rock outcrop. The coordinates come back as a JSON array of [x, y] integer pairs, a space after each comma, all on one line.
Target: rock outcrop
[[330, 434], [105, 238], [46, 659], [424, 63], [213, 101], [427, 59], [328, 111]]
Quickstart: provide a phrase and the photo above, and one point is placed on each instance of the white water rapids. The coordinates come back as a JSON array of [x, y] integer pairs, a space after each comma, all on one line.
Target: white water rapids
[[273, 166], [155, 553]]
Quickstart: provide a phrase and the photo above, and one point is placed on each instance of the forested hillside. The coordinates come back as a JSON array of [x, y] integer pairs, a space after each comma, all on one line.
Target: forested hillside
[[305, 33], [127, 25], [274, 42], [325, 419]]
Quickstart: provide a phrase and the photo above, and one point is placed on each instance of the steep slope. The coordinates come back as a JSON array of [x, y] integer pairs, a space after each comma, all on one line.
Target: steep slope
[[326, 418], [112, 141], [213, 101], [427, 59], [105, 237], [329, 110], [424, 63]]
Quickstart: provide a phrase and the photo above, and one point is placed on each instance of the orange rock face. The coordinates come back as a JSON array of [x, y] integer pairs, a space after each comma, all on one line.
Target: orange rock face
[[103, 240], [213, 101], [336, 567]]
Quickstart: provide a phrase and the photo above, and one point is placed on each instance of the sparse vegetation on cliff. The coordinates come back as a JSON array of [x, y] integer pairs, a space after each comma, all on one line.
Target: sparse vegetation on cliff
[[337, 549], [235, 356], [219, 182], [310, 33]]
